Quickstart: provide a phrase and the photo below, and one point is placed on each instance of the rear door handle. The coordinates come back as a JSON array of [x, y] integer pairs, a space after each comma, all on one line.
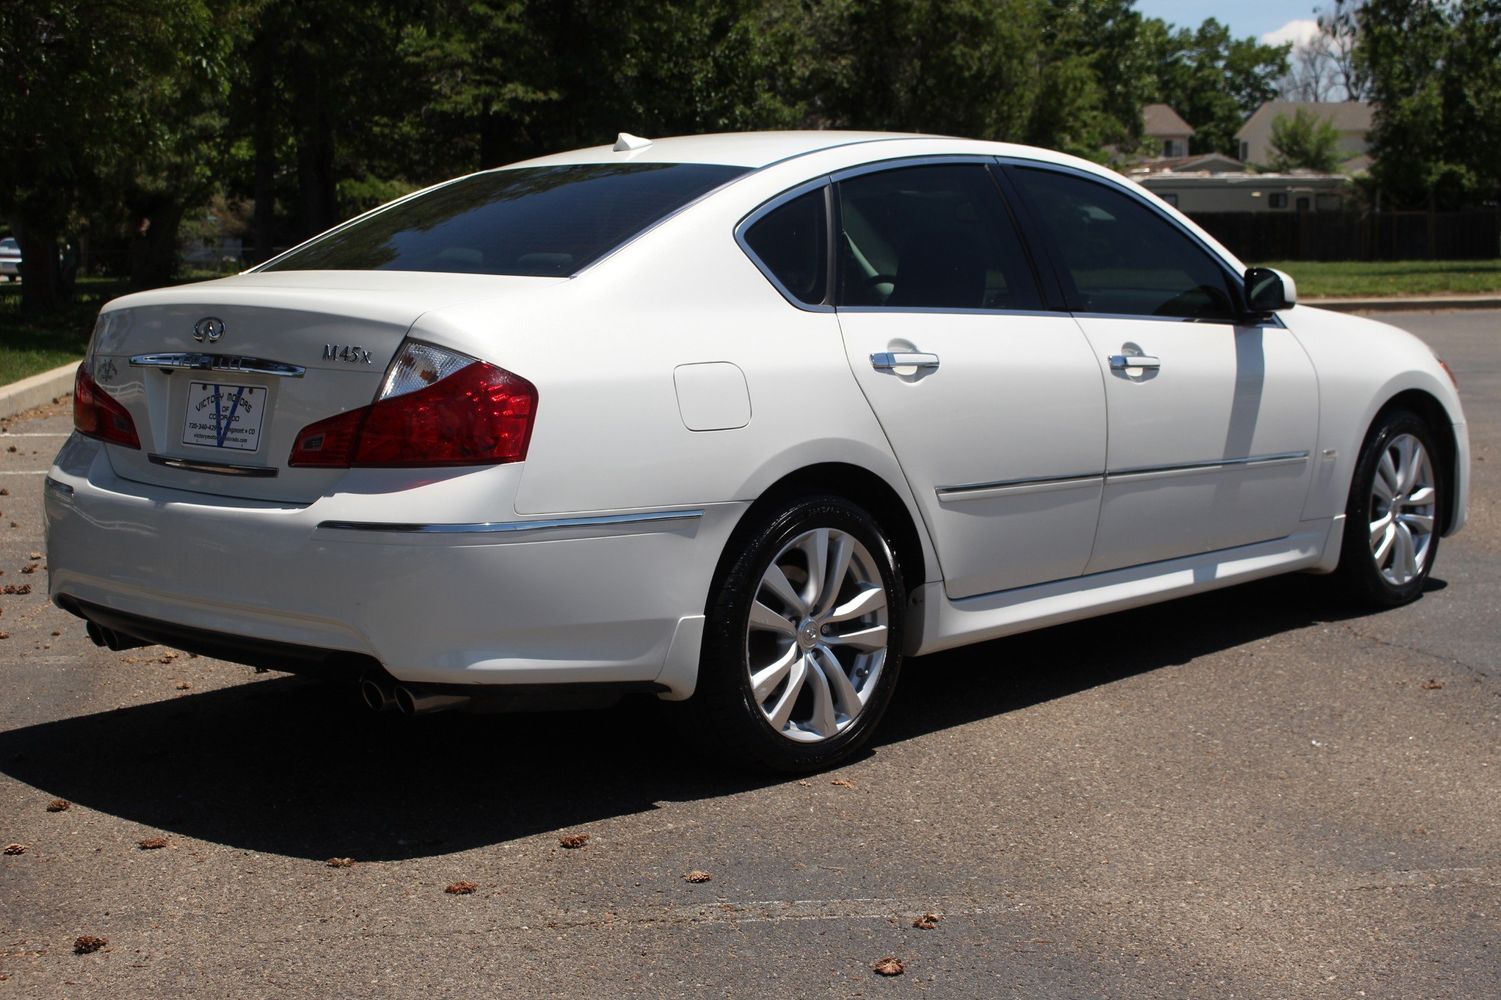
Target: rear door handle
[[1120, 362], [887, 360]]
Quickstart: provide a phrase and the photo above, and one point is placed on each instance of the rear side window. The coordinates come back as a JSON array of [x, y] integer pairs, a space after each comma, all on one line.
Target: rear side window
[[532, 220], [792, 241], [1122, 257], [935, 237]]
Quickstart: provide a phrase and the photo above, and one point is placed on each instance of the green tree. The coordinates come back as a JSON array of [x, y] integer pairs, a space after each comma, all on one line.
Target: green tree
[[1304, 141], [1434, 71], [1213, 80], [1095, 74], [93, 84]]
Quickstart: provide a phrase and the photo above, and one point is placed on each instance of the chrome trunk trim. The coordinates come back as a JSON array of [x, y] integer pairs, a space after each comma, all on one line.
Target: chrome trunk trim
[[217, 363], [214, 468], [492, 527]]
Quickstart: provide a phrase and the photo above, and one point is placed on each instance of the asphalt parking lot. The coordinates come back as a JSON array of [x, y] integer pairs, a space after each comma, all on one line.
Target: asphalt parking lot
[[1254, 793]]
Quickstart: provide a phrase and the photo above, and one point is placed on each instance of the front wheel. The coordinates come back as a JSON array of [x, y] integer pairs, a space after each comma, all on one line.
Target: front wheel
[[1392, 519], [803, 643]]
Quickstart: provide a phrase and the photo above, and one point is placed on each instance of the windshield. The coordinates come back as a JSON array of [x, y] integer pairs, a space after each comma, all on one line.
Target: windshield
[[531, 220]]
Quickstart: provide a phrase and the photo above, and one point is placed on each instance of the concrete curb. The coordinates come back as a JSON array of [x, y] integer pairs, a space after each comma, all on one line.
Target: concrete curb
[[36, 390], [1422, 303]]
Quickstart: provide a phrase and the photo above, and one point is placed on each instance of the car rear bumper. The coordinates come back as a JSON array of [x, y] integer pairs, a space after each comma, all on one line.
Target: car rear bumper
[[578, 599]]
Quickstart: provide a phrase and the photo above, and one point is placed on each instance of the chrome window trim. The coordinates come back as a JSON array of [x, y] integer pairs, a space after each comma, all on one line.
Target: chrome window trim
[[773, 203], [953, 311], [510, 527]]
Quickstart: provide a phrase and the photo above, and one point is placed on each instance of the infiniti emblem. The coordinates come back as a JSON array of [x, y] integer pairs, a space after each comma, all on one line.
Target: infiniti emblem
[[210, 328]]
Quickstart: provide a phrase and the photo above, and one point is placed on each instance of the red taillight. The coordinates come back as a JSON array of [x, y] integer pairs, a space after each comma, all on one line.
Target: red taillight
[[465, 414], [96, 414]]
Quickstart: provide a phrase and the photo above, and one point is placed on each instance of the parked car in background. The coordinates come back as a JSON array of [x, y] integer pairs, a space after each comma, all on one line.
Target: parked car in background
[[10, 259], [740, 420]]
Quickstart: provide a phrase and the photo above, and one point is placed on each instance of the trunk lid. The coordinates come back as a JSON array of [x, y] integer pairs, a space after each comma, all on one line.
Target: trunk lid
[[220, 376]]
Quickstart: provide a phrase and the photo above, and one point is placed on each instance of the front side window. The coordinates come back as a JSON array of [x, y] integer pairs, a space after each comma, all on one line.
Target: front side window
[[933, 237], [531, 220], [1120, 256], [792, 241]]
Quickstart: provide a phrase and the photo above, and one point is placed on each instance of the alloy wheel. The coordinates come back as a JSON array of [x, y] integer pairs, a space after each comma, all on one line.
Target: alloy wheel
[[1404, 503]]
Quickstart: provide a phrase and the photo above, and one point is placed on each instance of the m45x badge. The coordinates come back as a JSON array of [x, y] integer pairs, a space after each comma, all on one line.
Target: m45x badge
[[352, 354]]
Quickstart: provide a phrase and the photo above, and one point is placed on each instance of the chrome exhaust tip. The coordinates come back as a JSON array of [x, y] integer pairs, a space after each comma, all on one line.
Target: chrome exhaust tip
[[378, 697], [413, 701]]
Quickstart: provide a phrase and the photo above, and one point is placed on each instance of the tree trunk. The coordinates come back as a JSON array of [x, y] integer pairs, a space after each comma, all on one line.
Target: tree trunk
[[315, 151], [153, 246], [41, 277], [263, 133]]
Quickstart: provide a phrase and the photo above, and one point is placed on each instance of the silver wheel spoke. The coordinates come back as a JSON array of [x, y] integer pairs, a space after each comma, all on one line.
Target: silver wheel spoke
[[762, 617], [838, 565], [822, 721], [846, 698], [1404, 561], [1381, 523], [1380, 548], [1388, 482], [782, 711], [1407, 466], [1420, 497], [776, 581], [764, 682], [863, 603], [867, 639]]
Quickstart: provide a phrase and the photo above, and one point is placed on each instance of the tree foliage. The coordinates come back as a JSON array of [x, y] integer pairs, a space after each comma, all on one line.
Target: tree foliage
[[1304, 141], [1214, 80], [1435, 77]]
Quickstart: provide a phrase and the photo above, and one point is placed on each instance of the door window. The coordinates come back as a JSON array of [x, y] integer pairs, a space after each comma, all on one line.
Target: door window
[[932, 237], [1120, 256], [793, 244]]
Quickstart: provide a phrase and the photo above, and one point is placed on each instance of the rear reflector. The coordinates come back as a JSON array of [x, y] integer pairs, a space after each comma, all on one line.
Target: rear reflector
[[436, 407], [96, 413]]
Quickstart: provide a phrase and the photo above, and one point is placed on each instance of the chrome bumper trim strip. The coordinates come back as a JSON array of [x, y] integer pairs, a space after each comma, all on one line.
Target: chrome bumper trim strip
[[1213, 465], [491, 527], [214, 468]]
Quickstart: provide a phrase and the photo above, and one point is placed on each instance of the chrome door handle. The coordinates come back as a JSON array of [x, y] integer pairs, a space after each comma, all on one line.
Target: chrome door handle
[[887, 360], [1120, 362]]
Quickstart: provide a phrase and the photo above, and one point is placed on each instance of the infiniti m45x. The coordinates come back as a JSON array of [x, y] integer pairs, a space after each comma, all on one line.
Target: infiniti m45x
[[740, 420]]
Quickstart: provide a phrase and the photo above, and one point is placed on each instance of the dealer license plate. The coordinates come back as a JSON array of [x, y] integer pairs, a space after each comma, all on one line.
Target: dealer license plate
[[224, 416]]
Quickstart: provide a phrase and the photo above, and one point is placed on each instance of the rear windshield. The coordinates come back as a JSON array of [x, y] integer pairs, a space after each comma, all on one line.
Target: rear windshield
[[532, 220]]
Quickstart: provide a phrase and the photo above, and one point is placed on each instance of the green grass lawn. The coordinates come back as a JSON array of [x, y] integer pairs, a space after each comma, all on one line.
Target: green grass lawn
[[1362, 278], [29, 345]]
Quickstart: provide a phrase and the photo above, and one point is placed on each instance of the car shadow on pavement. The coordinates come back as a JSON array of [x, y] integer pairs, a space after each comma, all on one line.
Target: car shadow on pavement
[[291, 767]]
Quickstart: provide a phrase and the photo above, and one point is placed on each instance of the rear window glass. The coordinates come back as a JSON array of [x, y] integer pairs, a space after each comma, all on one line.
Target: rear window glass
[[532, 220]]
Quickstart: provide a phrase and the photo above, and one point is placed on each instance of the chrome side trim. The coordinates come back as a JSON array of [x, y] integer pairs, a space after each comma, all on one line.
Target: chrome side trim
[[218, 363], [214, 468], [1017, 487], [1213, 465], [61, 489], [491, 527]]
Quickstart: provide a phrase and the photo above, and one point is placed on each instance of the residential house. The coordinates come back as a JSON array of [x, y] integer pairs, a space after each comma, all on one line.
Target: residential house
[[1164, 132], [1351, 119]]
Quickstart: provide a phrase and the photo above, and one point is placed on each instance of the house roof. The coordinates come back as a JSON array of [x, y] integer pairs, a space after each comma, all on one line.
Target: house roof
[[1161, 120], [1346, 116], [1214, 163]]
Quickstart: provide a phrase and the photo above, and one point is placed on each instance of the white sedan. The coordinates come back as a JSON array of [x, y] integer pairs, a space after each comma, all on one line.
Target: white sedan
[[740, 420]]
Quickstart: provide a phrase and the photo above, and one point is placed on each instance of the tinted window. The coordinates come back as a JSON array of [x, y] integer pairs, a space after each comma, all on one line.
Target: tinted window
[[534, 220], [1121, 256], [931, 237], [792, 241]]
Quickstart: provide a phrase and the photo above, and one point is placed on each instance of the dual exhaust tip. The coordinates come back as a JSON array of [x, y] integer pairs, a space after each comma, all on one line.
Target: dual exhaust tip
[[384, 696]]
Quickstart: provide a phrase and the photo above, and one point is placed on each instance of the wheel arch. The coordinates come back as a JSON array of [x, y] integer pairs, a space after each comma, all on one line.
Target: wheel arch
[[855, 483]]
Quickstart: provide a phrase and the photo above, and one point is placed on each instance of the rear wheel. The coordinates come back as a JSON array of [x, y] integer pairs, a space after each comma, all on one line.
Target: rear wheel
[[1392, 519], [803, 643]]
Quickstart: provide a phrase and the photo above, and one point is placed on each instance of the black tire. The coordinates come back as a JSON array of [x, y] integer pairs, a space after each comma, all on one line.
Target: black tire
[[730, 718], [1359, 572]]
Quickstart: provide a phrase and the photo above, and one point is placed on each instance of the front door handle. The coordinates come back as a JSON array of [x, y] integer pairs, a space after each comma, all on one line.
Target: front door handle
[[1120, 362], [887, 360]]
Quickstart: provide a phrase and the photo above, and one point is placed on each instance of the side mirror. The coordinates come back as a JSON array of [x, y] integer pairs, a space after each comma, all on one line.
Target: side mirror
[[1268, 290]]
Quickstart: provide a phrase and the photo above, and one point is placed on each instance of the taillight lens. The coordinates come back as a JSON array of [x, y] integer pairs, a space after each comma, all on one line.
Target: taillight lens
[[435, 407], [96, 413]]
